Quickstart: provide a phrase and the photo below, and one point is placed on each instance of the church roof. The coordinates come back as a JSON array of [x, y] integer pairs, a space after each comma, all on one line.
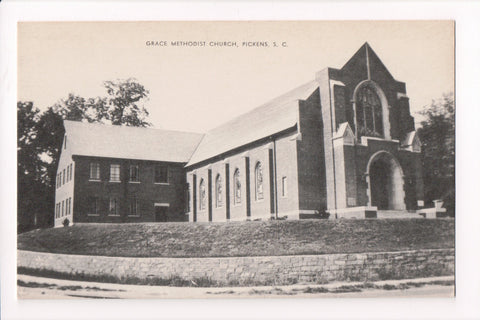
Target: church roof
[[100, 140], [272, 117]]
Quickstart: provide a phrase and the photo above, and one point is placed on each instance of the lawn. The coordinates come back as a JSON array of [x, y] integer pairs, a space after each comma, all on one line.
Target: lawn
[[253, 238]]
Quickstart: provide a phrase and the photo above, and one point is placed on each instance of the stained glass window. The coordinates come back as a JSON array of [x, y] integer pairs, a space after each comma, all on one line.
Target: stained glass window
[[258, 181], [237, 188], [369, 112], [218, 192], [203, 195]]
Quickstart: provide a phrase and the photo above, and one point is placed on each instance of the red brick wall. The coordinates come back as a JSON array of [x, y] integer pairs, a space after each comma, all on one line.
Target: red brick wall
[[311, 160], [147, 192]]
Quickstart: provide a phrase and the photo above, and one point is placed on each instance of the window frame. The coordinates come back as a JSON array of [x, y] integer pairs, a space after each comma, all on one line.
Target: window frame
[[115, 167], [115, 202], [133, 200], [258, 192], [202, 198], [284, 186], [158, 167], [367, 97], [189, 198], [97, 167], [95, 201], [137, 177], [237, 189], [218, 191]]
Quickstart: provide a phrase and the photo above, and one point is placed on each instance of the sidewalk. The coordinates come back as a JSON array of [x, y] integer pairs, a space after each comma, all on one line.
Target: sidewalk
[[31, 287]]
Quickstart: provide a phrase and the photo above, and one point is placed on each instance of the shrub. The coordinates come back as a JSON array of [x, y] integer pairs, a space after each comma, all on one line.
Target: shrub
[[323, 214], [66, 222]]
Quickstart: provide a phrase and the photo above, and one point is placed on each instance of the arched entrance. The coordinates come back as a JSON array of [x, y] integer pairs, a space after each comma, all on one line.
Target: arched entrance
[[385, 182]]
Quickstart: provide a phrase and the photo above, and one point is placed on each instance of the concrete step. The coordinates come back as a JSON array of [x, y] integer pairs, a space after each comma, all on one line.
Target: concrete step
[[397, 214]]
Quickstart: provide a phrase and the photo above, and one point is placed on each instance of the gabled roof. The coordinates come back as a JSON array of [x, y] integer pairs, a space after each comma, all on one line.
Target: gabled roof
[[270, 118], [100, 140], [365, 58]]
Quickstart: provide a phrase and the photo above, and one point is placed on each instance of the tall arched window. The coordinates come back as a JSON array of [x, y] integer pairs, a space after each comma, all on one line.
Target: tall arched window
[[258, 181], [203, 195], [369, 112], [218, 192], [237, 188]]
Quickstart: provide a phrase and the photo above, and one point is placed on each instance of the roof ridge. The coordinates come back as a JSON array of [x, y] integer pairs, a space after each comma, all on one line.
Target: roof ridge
[[270, 102], [107, 125]]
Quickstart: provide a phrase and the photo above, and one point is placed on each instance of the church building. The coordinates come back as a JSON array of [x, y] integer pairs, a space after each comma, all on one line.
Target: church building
[[341, 145]]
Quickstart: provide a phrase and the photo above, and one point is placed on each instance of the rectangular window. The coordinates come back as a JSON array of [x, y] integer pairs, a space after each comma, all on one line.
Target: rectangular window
[[68, 172], [284, 186], [94, 207], [94, 171], [60, 179], [71, 171], [70, 205], [134, 207], [161, 174], [189, 200], [113, 208], [63, 176], [134, 174], [63, 207], [56, 210], [115, 172]]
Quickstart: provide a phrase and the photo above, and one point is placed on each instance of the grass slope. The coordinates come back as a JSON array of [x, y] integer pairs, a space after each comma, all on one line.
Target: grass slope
[[254, 238]]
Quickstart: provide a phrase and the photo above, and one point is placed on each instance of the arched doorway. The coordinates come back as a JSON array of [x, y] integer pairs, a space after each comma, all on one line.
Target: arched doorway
[[385, 182]]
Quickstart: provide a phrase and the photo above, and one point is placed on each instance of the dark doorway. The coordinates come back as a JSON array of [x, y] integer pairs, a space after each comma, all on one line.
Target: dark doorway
[[161, 214], [379, 179], [386, 184]]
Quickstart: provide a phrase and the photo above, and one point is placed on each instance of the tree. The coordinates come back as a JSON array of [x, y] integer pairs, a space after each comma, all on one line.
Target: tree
[[27, 116], [29, 169], [122, 103], [437, 134], [40, 137]]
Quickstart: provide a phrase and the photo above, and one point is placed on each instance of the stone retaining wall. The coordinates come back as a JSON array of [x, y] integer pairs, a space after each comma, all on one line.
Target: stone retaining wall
[[274, 270]]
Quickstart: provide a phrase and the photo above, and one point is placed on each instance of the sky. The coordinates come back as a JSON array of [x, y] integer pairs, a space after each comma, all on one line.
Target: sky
[[198, 87]]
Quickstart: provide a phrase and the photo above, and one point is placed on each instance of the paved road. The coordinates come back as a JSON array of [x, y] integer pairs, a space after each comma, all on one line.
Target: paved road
[[46, 288]]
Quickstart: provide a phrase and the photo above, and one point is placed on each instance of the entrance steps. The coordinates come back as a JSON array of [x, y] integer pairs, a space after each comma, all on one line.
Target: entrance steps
[[397, 214]]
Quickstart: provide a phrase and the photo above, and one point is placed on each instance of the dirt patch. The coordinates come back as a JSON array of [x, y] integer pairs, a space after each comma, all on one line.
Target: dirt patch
[[340, 289], [63, 288]]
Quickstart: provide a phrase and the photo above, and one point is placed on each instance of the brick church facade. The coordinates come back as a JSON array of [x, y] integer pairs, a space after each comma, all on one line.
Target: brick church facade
[[343, 144]]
